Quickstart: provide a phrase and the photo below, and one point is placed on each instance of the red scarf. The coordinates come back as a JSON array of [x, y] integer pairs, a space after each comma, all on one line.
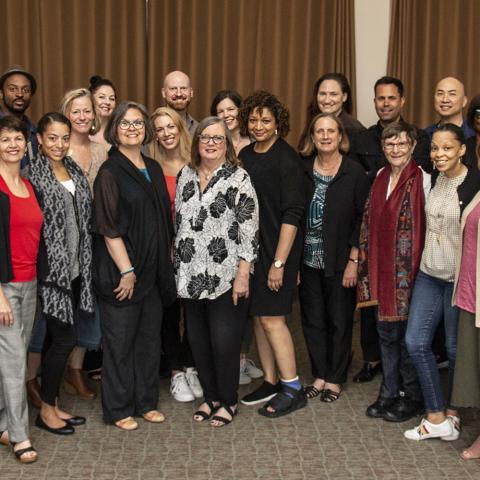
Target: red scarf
[[391, 243]]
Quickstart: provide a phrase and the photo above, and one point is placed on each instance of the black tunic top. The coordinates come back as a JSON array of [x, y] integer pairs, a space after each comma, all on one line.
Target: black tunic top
[[277, 176], [127, 205]]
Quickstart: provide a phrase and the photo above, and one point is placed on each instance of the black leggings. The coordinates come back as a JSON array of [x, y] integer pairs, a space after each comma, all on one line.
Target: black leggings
[[62, 338], [215, 329]]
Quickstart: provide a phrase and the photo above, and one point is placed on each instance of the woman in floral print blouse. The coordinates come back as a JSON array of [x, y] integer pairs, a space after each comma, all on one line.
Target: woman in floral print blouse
[[216, 223]]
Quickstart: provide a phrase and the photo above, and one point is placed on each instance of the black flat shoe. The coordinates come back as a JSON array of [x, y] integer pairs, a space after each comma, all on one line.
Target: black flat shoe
[[75, 421], [403, 409], [65, 430], [368, 372], [378, 408]]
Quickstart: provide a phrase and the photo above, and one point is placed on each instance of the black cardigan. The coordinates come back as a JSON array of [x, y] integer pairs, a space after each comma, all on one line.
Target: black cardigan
[[342, 216], [467, 189]]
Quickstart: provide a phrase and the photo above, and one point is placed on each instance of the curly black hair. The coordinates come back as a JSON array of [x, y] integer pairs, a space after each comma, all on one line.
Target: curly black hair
[[262, 99]]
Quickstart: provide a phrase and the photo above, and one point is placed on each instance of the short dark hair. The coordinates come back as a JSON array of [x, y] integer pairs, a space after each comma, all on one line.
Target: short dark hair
[[230, 155], [96, 81], [13, 123], [455, 130], [389, 81], [472, 107], [233, 95], [117, 116], [50, 118], [395, 129], [262, 99]]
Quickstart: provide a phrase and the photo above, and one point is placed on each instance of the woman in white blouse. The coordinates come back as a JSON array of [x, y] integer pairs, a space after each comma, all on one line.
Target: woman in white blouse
[[216, 242], [453, 187]]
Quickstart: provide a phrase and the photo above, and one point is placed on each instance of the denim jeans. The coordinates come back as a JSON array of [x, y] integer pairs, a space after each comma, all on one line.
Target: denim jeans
[[432, 301]]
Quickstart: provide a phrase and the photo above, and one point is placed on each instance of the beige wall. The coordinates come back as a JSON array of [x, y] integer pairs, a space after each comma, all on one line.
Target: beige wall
[[372, 26]]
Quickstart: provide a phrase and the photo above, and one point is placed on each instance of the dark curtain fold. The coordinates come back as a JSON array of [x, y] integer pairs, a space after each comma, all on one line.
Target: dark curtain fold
[[429, 40], [279, 45]]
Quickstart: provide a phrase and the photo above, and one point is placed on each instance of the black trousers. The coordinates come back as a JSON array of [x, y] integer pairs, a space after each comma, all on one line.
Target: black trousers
[[327, 318], [398, 368], [62, 338], [215, 330], [368, 334], [176, 353], [131, 356]]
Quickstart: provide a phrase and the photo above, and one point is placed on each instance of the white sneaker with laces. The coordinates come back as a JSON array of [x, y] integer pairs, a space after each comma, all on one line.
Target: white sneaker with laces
[[244, 379], [179, 388], [455, 421], [193, 382], [251, 369], [428, 430]]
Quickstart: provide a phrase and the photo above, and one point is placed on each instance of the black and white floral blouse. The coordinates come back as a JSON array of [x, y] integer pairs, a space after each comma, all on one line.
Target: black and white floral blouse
[[214, 230]]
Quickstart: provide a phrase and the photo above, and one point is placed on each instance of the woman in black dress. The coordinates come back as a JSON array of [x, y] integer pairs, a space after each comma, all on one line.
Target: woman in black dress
[[133, 272], [472, 156], [276, 173]]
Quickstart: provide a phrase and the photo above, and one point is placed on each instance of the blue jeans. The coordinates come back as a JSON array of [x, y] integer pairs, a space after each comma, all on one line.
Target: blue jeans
[[432, 301]]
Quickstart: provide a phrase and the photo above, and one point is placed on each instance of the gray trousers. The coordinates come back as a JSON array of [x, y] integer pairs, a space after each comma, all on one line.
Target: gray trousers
[[22, 297]]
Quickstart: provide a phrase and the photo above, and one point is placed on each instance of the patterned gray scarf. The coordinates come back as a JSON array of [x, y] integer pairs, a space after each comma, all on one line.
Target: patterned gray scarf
[[56, 288]]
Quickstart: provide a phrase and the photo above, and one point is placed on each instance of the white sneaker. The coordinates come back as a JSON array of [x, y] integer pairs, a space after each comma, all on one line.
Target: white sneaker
[[251, 369], [179, 388], [244, 379], [193, 382], [455, 421], [428, 430]]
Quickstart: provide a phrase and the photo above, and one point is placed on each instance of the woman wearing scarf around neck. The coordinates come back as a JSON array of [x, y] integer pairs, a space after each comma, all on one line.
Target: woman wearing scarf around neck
[[133, 270], [66, 202], [391, 245]]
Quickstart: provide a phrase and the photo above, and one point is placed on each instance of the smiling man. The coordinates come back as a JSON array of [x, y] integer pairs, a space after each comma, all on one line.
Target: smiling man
[[17, 88], [449, 101], [178, 93]]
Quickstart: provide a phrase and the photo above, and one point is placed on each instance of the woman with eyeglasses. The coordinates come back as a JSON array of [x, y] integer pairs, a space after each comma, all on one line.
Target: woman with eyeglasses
[[132, 269], [216, 223]]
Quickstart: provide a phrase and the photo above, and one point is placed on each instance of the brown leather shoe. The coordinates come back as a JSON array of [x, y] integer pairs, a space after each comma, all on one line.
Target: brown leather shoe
[[33, 393], [75, 384]]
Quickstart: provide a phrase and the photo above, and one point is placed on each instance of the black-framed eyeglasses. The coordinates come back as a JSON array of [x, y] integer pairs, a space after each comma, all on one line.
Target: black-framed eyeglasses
[[136, 124], [216, 139]]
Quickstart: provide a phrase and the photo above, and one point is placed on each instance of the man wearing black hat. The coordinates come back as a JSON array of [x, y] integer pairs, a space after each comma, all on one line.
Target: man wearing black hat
[[17, 88]]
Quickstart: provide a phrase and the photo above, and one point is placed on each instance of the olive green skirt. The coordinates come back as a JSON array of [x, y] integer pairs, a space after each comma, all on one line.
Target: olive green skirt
[[466, 383]]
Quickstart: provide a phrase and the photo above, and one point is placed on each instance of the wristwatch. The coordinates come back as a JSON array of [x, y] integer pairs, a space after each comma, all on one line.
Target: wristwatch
[[278, 263]]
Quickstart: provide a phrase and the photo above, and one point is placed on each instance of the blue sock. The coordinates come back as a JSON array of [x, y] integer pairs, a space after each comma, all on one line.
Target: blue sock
[[293, 383]]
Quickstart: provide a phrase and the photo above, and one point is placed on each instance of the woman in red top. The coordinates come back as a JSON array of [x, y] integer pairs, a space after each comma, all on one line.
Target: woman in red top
[[20, 226], [171, 148]]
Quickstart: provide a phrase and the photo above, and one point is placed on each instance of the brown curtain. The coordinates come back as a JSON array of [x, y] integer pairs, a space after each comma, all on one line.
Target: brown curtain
[[429, 40], [279, 45], [63, 42]]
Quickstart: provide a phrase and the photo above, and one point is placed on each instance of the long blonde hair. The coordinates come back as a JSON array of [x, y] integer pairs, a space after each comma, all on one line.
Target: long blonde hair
[[156, 151]]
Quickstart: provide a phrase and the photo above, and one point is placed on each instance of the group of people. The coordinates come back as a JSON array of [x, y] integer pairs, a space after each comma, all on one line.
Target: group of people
[[169, 242]]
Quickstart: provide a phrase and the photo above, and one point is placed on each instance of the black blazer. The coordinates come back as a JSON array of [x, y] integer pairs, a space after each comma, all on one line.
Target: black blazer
[[466, 190], [342, 216]]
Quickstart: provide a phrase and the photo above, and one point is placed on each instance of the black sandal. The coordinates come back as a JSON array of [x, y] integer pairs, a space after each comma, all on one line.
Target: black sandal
[[204, 415], [311, 391], [224, 421], [329, 396], [95, 375], [22, 451], [285, 402]]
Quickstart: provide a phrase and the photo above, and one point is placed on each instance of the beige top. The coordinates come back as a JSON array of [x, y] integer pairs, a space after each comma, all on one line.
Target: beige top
[[443, 233], [99, 153]]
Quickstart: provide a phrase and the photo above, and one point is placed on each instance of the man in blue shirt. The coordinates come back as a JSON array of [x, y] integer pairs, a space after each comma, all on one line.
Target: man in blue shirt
[[17, 87], [449, 101]]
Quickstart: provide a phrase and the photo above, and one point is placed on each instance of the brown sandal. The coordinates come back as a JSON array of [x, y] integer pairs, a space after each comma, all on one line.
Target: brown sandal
[[154, 416], [127, 424]]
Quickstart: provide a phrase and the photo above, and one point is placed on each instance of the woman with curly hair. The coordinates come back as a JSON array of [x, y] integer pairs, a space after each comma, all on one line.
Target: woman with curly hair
[[277, 175], [331, 94], [216, 222]]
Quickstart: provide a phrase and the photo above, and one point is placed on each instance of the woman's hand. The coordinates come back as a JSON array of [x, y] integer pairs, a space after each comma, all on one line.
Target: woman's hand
[[350, 275], [275, 278], [6, 313], [125, 287], [240, 286]]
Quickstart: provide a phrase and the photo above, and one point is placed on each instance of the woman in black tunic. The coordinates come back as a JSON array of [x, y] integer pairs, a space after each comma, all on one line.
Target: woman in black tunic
[[133, 272], [276, 173]]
